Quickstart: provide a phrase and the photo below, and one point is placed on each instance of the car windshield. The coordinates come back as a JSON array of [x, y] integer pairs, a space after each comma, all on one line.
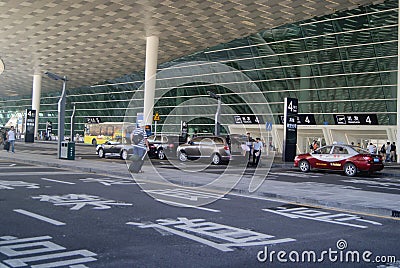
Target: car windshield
[[359, 150]]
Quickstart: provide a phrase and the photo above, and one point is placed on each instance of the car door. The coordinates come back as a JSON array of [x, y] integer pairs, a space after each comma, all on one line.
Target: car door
[[321, 157], [193, 149], [208, 146], [114, 148], [338, 157]]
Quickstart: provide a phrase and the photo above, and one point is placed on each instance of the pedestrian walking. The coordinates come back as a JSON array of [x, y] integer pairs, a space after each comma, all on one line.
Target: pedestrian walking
[[249, 144], [139, 140], [315, 145], [393, 156], [140, 146], [258, 145], [11, 139], [371, 148], [382, 151], [388, 152]]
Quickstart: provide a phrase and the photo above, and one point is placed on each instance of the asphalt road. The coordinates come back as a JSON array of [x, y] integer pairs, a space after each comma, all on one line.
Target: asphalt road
[[373, 183], [60, 218]]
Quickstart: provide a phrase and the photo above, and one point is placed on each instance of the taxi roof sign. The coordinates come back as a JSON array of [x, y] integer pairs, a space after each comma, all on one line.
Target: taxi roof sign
[[156, 117]]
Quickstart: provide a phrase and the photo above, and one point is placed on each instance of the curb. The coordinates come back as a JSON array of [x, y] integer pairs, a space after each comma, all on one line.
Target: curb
[[387, 171]]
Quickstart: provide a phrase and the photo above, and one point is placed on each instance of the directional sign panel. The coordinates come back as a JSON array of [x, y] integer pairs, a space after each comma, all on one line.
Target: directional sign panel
[[247, 119], [290, 129], [302, 119], [355, 119]]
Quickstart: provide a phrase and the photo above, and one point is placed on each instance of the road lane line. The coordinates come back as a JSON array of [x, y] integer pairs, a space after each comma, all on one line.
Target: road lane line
[[45, 179], [186, 205], [39, 217]]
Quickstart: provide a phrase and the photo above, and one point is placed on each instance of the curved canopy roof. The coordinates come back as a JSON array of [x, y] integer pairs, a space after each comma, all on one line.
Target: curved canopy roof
[[90, 41]]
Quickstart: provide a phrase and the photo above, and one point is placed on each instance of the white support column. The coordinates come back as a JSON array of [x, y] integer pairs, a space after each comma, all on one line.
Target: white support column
[[327, 132], [150, 78], [36, 91], [398, 83]]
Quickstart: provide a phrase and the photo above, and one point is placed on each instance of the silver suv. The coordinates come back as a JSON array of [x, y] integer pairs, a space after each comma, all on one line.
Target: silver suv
[[214, 148]]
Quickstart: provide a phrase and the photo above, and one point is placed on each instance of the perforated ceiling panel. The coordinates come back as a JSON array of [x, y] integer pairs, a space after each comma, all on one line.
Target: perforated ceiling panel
[[93, 40]]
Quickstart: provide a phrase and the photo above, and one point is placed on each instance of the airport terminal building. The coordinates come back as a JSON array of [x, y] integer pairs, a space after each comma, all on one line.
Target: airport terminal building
[[342, 67]]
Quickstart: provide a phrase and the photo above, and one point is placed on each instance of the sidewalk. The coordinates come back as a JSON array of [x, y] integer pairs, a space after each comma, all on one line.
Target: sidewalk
[[319, 194]]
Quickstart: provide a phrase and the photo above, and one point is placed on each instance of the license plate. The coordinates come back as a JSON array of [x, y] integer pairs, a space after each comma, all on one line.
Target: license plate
[[376, 160]]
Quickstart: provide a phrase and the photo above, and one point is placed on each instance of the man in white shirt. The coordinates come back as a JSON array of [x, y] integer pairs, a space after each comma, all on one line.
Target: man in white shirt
[[11, 138], [258, 145], [371, 148]]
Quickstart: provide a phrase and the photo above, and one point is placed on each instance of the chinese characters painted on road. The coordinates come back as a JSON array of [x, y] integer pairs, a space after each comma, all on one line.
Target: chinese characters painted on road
[[219, 236]]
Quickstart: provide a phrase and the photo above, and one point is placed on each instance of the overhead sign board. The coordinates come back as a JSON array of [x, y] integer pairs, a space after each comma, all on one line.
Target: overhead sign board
[[302, 119], [355, 119], [247, 119], [93, 120]]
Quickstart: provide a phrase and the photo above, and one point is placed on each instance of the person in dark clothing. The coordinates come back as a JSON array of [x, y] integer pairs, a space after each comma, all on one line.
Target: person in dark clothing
[[393, 156]]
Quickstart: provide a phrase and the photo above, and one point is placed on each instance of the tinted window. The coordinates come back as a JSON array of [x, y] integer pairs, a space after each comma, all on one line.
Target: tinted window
[[360, 150], [218, 140], [324, 150], [197, 140], [340, 150]]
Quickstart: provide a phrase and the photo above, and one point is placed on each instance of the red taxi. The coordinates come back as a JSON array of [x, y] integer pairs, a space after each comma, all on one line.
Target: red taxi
[[350, 159]]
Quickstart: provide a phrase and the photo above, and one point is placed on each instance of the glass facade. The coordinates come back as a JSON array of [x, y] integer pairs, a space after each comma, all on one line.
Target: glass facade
[[340, 63]]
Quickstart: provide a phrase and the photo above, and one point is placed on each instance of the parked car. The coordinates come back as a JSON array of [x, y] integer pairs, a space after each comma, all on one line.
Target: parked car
[[113, 149], [163, 146], [350, 159], [214, 148]]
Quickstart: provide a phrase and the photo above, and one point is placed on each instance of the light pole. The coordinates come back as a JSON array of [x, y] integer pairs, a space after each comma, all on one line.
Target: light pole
[[216, 120], [61, 109], [72, 123]]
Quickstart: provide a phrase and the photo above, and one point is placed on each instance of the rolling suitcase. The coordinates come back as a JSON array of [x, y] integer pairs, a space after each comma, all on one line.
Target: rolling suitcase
[[137, 163]]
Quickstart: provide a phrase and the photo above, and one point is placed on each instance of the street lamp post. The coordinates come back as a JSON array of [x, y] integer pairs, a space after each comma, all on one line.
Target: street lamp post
[[61, 109], [216, 120], [72, 123]]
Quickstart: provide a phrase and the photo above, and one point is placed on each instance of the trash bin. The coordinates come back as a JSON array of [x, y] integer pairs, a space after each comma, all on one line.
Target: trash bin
[[64, 150], [67, 150], [71, 151]]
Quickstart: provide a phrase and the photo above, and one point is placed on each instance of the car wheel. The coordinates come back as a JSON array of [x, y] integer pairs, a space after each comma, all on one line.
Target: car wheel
[[182, 157], [101, 153], [94, 142], [350, 169], [304, 166], [216, 159], [161, 154], [124, 154]]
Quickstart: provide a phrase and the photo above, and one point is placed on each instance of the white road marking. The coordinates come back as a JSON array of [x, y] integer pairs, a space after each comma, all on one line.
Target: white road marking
[[189, 236], [187, 206], [39, 217], [8, 174], [221, 237], [318, 215], [45, 179]]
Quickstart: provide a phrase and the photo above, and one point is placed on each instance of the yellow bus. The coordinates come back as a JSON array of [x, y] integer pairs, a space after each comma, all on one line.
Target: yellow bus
[[102, 132]]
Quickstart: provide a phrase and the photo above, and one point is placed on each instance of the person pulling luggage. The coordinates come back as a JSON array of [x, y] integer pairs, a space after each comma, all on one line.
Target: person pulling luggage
[[140, 147]]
